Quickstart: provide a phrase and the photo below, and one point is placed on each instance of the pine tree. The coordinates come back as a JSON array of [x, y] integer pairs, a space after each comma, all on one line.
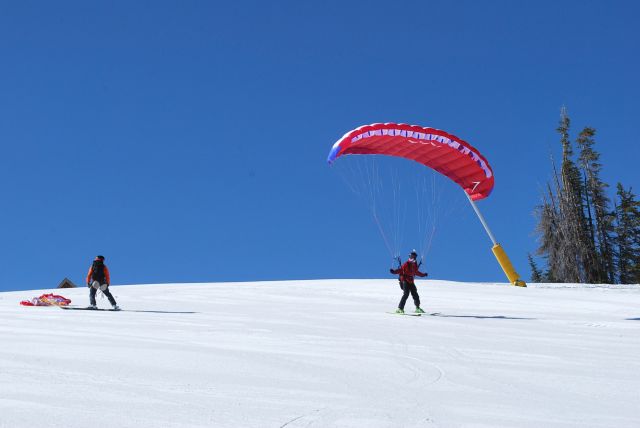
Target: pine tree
[[627, 236], [599, 221], [594, 272], [575, 246], [551, 237], [536, 274]]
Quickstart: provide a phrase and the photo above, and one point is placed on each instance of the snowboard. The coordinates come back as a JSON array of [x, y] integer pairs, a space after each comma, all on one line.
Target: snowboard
[[76, 308]]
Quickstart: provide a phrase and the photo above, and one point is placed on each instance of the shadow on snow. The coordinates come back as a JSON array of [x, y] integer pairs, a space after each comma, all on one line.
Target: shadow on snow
[[159, 312], [482, 317]]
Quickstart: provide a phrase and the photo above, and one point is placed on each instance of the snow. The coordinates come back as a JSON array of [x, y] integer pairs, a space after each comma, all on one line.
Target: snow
[[324, 353]]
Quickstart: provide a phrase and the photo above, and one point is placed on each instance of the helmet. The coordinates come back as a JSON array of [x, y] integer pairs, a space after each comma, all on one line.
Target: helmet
[[413, 254], [100, 258]]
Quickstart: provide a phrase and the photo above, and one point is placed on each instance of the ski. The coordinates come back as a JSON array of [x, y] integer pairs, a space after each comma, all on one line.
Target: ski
[[75, 308], [413, 314]]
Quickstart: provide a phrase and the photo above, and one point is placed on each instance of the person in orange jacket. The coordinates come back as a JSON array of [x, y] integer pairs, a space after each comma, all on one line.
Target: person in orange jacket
[[98, 278], [408, 271]]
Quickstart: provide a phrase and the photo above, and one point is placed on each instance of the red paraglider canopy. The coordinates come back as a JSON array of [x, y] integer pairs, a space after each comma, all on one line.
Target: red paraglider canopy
[[446, 153]]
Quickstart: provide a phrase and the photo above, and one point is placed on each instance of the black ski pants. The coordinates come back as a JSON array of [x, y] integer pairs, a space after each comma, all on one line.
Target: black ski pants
[[409, 287], [92, 296]]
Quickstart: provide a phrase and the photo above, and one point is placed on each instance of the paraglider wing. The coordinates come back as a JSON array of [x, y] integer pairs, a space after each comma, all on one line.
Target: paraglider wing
[[47, 300], [443, 152]]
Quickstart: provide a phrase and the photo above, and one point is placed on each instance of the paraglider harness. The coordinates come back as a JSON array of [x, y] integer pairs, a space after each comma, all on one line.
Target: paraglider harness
[[97, 272], [399, 260]]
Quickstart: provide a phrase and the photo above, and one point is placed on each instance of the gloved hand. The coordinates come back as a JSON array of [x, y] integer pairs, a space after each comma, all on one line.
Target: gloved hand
[[391, 271]]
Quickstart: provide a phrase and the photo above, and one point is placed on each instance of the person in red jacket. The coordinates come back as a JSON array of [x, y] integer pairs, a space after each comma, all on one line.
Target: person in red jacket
[[98, 278], [408, 271]]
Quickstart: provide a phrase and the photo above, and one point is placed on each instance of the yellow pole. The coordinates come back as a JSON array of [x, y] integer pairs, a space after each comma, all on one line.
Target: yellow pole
[[507, 267], [498, 251]]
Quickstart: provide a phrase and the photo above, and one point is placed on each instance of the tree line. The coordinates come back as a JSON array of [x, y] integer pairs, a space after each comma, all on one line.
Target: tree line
[[584, 235]]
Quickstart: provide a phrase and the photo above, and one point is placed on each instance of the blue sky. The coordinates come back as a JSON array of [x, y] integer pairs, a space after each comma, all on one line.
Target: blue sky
[[186, 141]]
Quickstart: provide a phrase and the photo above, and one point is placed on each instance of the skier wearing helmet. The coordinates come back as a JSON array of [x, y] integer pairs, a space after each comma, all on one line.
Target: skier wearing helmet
[[98, 278], [408, 271]]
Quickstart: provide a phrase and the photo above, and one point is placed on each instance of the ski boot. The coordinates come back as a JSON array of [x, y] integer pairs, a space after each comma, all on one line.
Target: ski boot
[[116, 308], [419, 310], [92, 307], [399, 311]]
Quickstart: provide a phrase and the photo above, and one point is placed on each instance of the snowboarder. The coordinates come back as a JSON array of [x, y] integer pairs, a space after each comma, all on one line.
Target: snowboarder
[[98, 279], [407, 272]]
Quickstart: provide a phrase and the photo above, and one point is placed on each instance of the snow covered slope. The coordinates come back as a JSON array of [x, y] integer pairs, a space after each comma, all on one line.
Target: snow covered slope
[[324, 353]]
